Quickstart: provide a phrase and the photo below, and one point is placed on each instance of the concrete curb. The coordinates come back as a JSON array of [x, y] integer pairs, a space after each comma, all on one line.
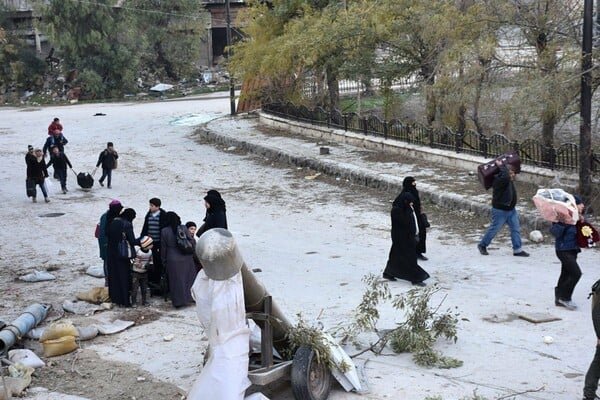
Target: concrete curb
[[369, 178]]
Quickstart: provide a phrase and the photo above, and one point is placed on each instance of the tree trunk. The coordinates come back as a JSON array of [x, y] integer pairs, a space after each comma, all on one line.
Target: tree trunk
[[430, 97], [548, 124], [333, 89]]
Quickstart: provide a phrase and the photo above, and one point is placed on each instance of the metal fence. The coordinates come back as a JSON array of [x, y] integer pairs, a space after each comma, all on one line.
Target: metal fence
[[531, 151]]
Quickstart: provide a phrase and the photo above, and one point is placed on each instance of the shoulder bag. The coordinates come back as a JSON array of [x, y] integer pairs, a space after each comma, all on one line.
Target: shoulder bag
[[125, 249]]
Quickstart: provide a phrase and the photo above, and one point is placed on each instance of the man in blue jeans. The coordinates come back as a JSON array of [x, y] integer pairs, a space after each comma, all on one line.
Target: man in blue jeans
[[504, 199]]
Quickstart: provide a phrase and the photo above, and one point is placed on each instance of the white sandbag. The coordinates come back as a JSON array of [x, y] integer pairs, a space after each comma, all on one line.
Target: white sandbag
[[35, 333], [87, 332], [96, 271], [117, 325], [80, 307], [37, 276], [26, 357]]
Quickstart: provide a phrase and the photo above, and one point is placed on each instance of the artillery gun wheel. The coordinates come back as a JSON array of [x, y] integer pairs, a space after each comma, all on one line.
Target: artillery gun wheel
[[311, 380]]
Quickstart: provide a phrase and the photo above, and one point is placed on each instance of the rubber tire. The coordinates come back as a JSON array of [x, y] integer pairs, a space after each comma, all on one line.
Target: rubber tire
[[310, 380]]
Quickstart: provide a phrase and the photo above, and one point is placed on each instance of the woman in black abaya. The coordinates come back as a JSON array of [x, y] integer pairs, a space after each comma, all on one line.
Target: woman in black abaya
[[119, 268], [410, 185], [402, 261]]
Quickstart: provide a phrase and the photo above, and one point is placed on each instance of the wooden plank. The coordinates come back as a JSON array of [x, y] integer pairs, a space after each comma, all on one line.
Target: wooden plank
[[538, 318]]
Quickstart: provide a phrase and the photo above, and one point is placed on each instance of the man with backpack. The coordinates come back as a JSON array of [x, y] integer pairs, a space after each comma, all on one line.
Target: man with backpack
[[108, 158]]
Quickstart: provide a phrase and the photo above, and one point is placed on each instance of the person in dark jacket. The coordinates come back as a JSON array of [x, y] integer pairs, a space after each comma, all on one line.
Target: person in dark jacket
[[119, 268], [504, 199], [108, 159], [216, 212], [60, 161], [593, 374], [154, 221], [37, 172], [566, 250], [410, 185], [57, 139], [114, 209], [402, 260], [180, 267]]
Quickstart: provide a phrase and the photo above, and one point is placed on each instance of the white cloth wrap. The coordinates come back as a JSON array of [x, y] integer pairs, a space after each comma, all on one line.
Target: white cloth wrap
[[220, 308]]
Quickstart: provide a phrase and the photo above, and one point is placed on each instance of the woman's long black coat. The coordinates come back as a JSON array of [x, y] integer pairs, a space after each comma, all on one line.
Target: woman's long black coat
[[118, 268], [402, 260]]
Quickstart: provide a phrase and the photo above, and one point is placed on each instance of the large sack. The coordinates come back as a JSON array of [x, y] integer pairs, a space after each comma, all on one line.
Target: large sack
[[18, 380], [37, 276], [58, 329], [96, 271], [95, 295], [60, 346], [26, 357], [85, 180], [554, 202]]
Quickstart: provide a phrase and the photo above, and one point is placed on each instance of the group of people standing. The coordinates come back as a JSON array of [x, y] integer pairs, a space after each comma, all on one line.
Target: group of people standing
[[167, 262], [37, 168]]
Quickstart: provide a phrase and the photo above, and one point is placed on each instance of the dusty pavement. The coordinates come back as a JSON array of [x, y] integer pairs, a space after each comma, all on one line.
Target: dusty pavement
[[313, 236]]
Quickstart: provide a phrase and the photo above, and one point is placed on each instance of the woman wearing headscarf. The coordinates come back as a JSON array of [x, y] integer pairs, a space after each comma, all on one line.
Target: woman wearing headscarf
[[402, 261], [180, 267], [216, 216], [114, 209], [410, 185], [119, 268]]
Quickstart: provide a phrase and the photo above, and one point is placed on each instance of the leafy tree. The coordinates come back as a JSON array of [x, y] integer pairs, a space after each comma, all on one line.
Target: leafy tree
[[293, 41], [172, 30], [95, 37], [19, 66], [414, 34], [548, 31]]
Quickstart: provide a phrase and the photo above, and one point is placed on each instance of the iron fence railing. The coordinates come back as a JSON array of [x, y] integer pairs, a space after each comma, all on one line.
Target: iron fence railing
[[562, 157]]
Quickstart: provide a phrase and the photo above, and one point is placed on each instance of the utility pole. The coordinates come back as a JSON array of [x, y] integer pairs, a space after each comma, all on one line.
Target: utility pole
[[585, 128], [231, 86]]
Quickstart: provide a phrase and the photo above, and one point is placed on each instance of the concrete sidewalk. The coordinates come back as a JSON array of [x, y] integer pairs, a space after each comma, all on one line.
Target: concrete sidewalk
[[448, 187]]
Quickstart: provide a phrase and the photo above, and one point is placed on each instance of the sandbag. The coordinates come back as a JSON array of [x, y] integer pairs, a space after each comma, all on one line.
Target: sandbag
[[60, 346], [87, 332], [18, 380], [59, 329], [37, 276], [95, 295], [80, 307], [25, 357], [96, 271], [117, 325]]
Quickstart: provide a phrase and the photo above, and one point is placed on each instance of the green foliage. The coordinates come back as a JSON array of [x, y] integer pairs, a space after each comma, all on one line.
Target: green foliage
[[366, 313], [95, 37], [422, 327], [19, 67], [173, 33], [303, 334], [91, 84], [419, 332]]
